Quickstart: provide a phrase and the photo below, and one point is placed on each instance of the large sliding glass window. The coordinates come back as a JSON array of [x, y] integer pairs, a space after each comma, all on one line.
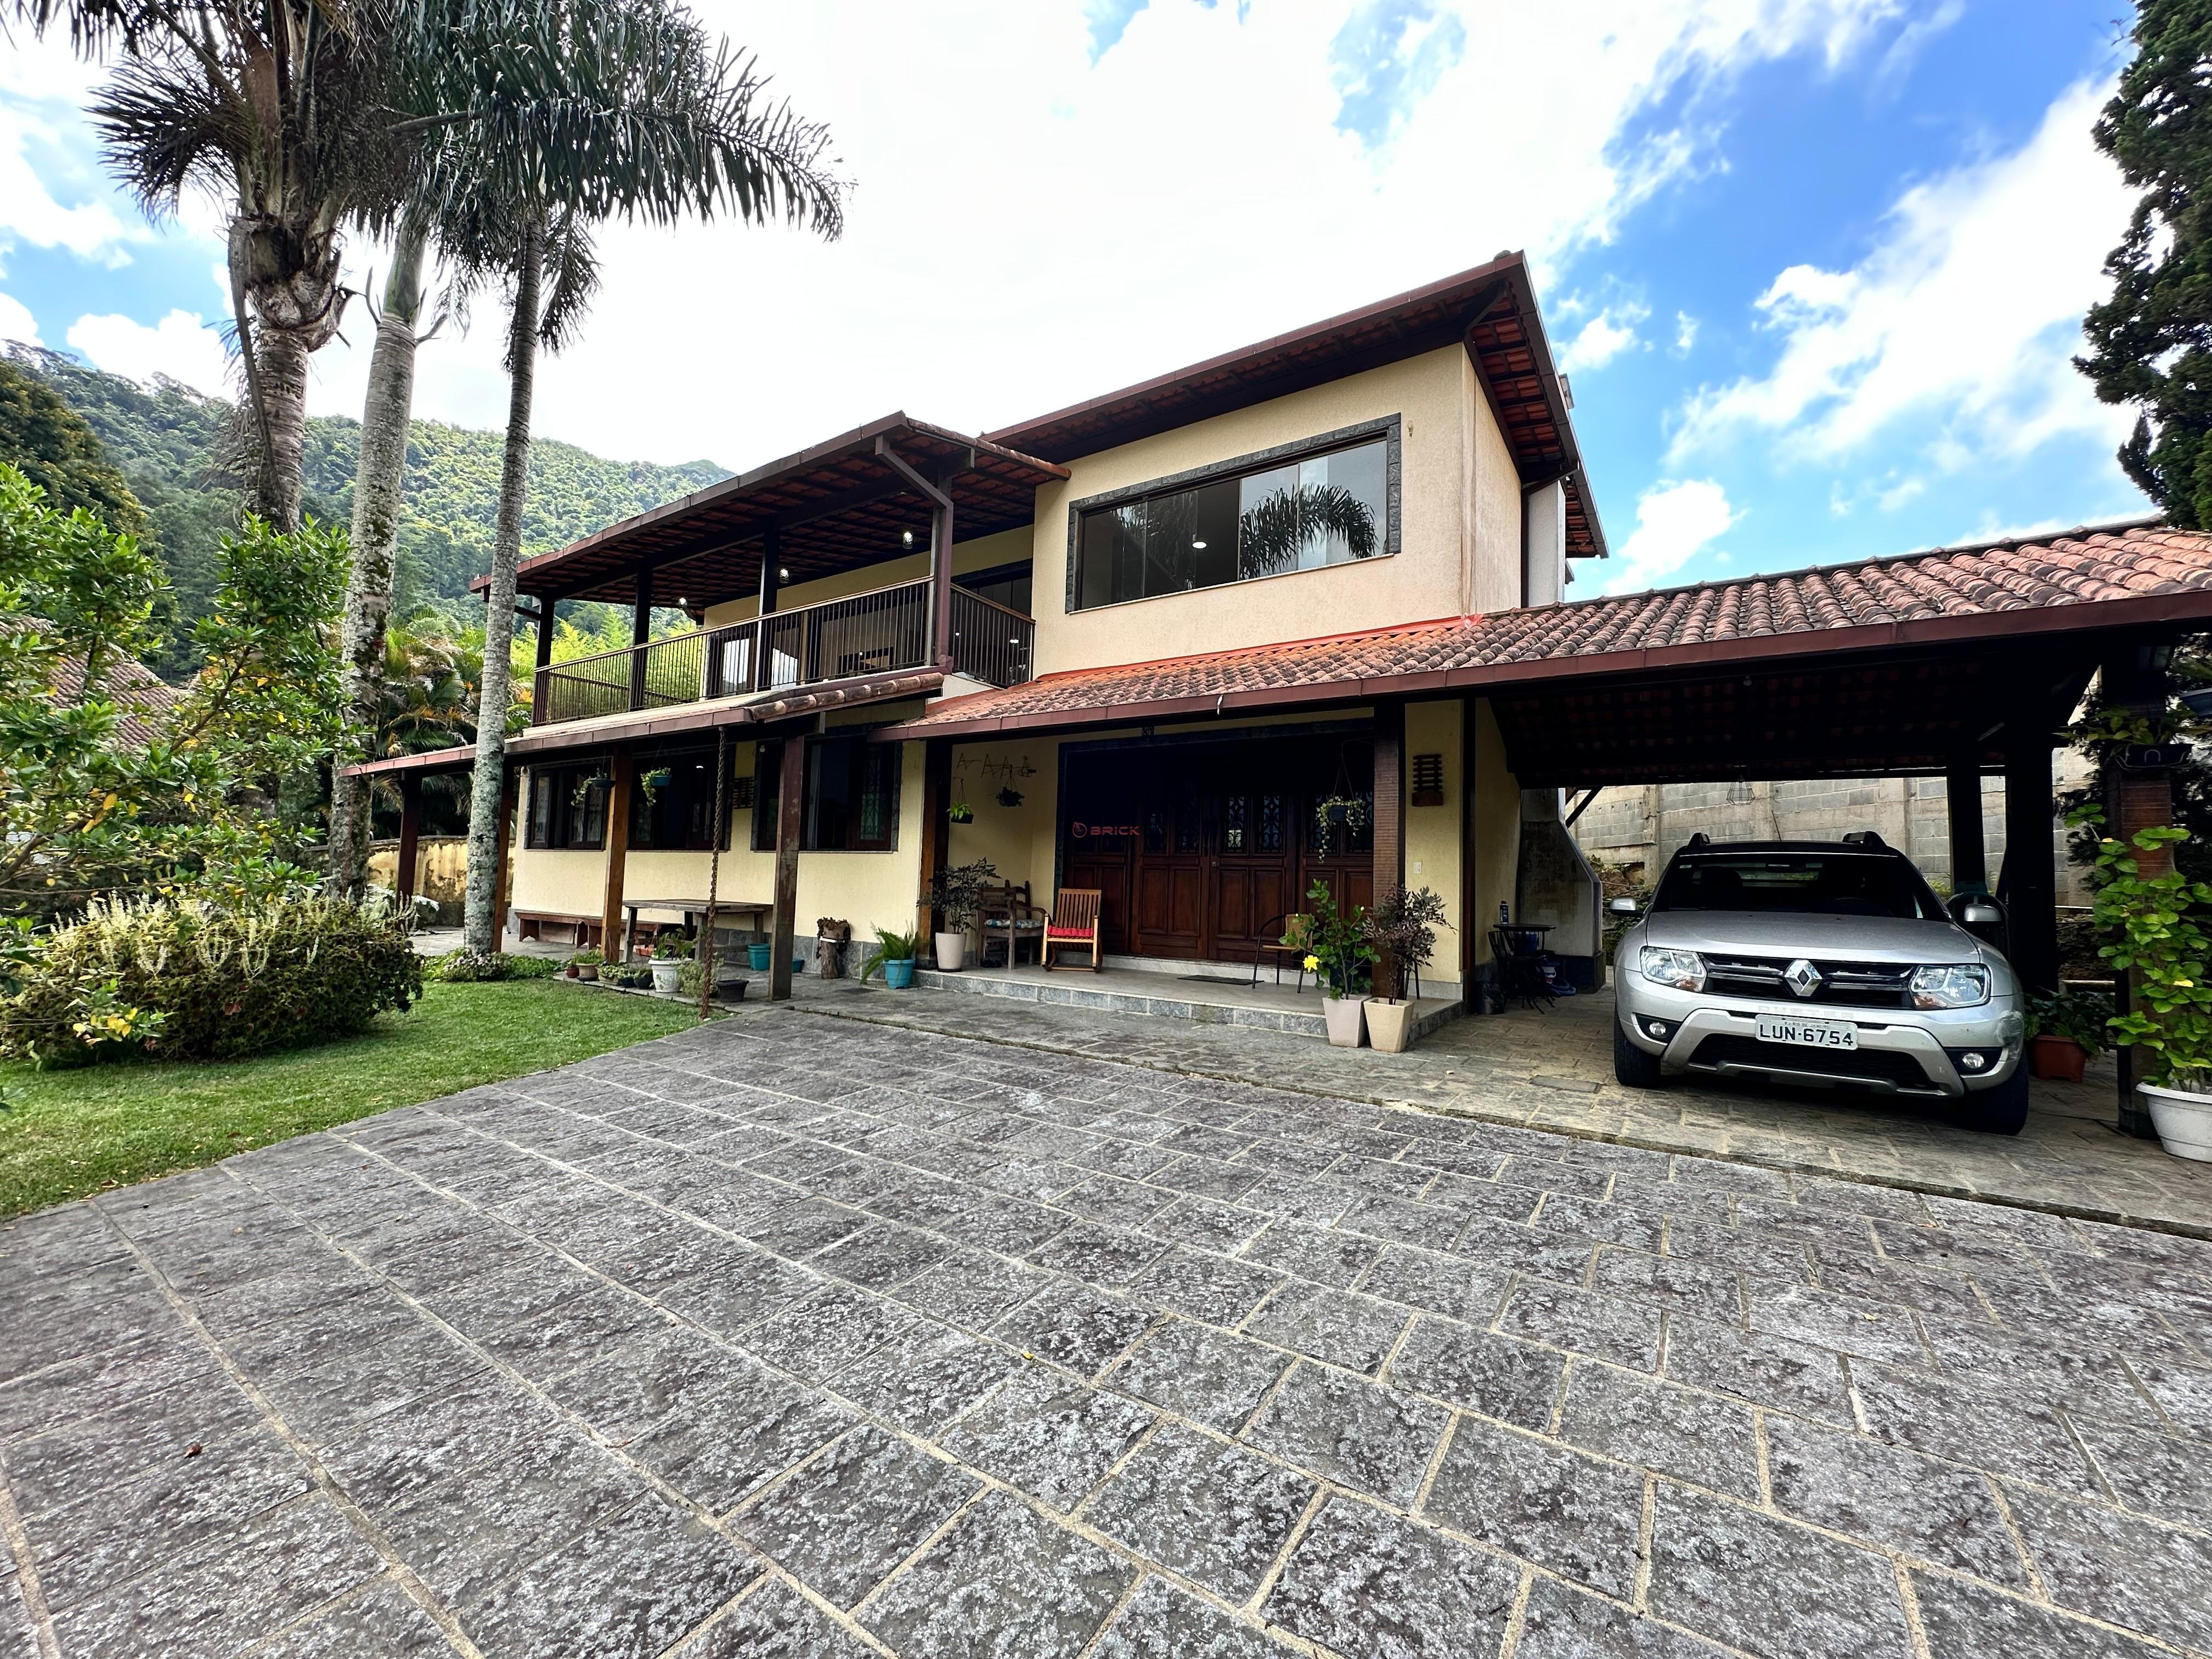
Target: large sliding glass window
[[1321, 510], [852, 798]]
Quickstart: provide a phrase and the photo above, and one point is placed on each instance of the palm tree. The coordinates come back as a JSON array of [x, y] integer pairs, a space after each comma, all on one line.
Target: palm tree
[[1272, 533], [732, 155], [599, 106]]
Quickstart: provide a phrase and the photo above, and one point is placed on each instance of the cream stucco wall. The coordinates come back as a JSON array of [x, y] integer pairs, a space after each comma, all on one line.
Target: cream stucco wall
[[1495, 815], [1432, 833], [1459, 517], [984, 553]]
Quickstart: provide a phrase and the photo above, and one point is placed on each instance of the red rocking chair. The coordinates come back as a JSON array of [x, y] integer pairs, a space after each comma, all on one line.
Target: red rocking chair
[[1074, 924]]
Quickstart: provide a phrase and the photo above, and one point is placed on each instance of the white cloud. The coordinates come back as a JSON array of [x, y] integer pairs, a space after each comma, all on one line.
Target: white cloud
[[1674, 521], [1685, 334], [52, 192], [16, 322], [1193, 188], [1963, 318], [181, 346], [1603, 338]]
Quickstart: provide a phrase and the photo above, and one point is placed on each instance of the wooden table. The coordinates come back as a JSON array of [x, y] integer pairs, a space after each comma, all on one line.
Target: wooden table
[[690, 908]]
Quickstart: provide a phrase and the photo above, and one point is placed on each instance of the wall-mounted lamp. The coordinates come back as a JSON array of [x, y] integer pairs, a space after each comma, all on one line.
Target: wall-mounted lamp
[[781, 574], [906, 537]]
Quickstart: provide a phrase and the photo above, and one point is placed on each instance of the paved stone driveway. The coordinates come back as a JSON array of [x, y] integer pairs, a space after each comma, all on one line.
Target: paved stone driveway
[[795, 1336]]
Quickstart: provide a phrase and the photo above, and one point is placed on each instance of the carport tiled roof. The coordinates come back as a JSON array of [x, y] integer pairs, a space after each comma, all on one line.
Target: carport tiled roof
[[2132, 574]]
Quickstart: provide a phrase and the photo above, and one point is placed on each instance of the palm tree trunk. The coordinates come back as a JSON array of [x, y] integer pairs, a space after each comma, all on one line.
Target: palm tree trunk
[[272, 477], [485, 926], [380, 482]]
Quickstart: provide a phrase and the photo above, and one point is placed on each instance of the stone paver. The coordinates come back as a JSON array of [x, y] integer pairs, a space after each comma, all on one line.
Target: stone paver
[[795, 1335]]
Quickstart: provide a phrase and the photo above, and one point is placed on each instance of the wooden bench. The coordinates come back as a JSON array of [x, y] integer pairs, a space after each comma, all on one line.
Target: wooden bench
[[583, 931]]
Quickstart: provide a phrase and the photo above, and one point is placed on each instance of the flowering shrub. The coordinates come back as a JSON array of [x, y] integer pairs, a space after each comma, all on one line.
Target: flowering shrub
[[2160, 921], [190, 980]]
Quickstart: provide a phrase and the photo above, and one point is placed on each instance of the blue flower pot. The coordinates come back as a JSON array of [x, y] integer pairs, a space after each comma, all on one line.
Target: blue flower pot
[[757, 957], [899, 975]]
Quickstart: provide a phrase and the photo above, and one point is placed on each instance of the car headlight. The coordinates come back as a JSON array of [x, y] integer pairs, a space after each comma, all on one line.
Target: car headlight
[[1953, 985], [1684, 970]]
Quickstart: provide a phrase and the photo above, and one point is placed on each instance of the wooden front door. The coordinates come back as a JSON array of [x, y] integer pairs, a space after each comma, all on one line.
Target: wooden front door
[[1216, 843]]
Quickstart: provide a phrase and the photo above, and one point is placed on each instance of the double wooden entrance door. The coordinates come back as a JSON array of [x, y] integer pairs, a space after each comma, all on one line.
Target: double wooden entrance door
[[1201, 849]]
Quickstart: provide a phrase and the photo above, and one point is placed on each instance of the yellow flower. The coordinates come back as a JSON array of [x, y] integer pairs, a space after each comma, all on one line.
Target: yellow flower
[[1313, 965]]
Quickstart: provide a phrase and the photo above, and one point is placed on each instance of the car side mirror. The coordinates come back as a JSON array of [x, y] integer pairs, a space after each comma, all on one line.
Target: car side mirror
[[1622, 906], [1980, 915]]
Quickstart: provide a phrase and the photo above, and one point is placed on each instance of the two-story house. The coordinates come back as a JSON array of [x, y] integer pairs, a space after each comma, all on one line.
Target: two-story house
[[865, 605]]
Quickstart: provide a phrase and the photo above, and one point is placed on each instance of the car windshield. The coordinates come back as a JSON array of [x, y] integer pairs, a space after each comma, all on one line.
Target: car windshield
[[1798, 884]]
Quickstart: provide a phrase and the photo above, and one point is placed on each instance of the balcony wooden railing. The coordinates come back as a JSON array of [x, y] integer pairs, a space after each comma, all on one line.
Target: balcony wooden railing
[[876, 632]]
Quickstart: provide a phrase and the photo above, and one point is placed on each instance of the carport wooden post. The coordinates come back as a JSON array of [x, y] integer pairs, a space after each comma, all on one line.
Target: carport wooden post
[[1389, 826], [410, 831], [2030, 888], [790, 822], [2135, 798], [613, 945], [1962, 789], [936, 829], [503, 876]]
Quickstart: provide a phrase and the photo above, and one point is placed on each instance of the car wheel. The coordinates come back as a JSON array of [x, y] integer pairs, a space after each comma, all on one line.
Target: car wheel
[[2001, 1110], [1631, 1067]]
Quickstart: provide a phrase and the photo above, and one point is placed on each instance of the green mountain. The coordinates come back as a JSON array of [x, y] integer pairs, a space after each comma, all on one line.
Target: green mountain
[[173, 446]]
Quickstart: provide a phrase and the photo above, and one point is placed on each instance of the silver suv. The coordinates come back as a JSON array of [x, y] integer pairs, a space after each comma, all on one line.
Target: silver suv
[[1820, 963]]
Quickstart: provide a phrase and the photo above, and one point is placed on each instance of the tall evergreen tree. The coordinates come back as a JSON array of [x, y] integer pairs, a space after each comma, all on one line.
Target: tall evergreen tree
[[2151, 341], [50, 444]]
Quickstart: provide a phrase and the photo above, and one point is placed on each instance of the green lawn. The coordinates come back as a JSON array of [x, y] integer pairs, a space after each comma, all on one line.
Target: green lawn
[[76, 1132]]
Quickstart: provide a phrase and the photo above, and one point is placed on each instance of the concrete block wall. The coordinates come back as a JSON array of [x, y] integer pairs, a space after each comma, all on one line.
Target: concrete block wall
[[1644, 825]]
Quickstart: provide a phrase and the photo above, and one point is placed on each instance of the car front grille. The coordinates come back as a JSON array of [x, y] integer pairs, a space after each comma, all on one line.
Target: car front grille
[[1850, 984], [1886, 1066]]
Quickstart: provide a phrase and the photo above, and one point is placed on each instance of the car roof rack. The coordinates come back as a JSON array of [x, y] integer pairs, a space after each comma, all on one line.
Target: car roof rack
[[1863, 838]]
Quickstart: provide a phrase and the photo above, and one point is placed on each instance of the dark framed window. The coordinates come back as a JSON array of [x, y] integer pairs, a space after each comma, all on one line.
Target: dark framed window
[[672, 805], [569, 807], [1329, 507], [852, 798]]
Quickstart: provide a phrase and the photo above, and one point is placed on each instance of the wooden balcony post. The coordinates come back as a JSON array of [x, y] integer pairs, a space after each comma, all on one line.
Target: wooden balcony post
[[613, 946], [940, 585], [936, 828], [410, 831], [538, 688], [641, 631], [790, 825]]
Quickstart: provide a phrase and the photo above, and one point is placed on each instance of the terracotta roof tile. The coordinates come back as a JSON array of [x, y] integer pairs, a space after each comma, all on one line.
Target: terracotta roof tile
[[2083, 567]]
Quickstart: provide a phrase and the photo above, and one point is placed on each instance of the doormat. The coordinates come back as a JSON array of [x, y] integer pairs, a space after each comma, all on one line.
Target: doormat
[[1211, 979]]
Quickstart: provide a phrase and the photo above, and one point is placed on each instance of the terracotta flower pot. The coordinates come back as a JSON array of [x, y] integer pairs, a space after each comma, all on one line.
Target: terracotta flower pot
[[2056, 1059], [1346, 1018]]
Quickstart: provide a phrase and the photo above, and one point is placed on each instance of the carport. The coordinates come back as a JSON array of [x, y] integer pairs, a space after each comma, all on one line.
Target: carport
[[1956, 662]]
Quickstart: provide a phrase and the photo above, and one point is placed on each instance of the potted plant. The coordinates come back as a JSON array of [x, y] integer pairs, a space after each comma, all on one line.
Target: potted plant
[[960, 812], [1338, 955], [2163, 945], [672, 948], [1401, 929], [584, 964], [2065, 1032], [1348, 814], [958, 891], [893, 955]]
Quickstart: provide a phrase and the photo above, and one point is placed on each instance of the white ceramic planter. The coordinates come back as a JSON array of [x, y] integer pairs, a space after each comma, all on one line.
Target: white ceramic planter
[[952, 952], [2184, 1121], [1346, 1016], [666, 972], [1389, 1024]]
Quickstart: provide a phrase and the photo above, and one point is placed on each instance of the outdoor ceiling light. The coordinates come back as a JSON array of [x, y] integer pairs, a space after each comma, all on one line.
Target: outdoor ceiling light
[[1684, 970], [908, 537], [781, 574], [1199, 546], [1953, 985]]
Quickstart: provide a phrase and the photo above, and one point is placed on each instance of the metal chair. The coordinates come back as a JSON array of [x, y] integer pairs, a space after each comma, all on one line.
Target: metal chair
[[1520, 971], [1276, 939]]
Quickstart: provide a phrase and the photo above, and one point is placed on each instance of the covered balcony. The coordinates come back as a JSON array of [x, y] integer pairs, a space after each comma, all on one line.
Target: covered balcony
[[889, 501]]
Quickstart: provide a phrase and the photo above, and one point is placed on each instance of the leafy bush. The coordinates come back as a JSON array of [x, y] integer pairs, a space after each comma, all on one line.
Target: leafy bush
[[192, 981], [467, 967], [891, 946]]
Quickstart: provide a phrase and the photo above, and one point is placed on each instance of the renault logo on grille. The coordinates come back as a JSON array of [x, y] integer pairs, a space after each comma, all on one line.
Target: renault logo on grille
[[1802, 977]]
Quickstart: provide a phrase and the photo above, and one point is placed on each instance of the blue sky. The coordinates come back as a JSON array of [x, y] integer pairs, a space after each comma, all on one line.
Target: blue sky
[[1815, 266]]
